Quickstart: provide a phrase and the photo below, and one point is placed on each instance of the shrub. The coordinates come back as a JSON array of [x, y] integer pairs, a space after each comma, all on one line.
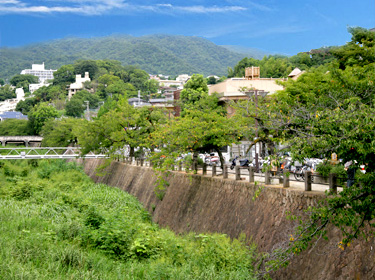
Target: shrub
[[93, 218], [340, 171], [324, 169]]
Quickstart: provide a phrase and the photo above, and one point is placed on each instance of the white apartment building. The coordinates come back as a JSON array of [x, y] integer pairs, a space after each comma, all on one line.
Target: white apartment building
[[39, 71]]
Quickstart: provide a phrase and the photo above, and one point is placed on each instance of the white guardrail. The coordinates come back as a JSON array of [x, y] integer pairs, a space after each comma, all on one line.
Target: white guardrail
[[46, 153]]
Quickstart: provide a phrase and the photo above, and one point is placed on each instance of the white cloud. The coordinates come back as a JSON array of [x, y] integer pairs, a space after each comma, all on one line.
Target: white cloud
[[213, 9], [98, 7]]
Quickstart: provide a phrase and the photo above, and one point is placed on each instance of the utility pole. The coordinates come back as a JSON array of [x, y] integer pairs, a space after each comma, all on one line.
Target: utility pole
[[87, 109], [250, 93]]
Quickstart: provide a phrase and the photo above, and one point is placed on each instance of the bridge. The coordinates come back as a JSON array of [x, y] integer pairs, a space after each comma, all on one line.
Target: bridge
[[26, 140], [47, 153]]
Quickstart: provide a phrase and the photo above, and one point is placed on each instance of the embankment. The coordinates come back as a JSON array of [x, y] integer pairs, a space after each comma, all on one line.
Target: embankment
[[205, 204]]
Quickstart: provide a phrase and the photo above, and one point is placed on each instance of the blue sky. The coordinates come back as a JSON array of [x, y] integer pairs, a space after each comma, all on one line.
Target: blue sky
[[276, 26]]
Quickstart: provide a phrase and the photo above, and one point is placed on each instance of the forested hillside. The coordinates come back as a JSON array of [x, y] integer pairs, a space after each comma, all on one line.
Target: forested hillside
[[156, 54]]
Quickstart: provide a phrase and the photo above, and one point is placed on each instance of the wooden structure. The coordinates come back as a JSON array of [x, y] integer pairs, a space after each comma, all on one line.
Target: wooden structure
[[252, 73]]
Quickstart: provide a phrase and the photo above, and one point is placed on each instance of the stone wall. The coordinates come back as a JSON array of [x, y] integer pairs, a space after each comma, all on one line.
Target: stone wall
[[205, 204]]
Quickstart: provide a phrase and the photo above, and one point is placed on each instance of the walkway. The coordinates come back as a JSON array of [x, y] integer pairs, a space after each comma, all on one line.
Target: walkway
[[260, 178]]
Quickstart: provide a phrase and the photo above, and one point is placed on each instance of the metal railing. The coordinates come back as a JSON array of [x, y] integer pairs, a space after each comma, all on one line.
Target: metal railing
[[46, 153], [284, 177]]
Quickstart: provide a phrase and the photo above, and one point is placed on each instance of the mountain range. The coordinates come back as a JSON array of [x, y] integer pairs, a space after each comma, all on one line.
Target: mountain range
[[156, 54]]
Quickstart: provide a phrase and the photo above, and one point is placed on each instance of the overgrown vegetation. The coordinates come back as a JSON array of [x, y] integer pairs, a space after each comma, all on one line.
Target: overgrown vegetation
[[57, 224]]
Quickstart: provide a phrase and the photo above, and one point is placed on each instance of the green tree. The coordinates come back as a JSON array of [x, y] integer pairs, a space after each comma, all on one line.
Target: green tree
[[239, 68], [359, 51], [123, 125], [25, 106], [321, 113], [211, 80], [84, 95], [31, 79], [14, 127], [108, 79], [196, 131], [64, 75], [75, 108], [82, 66], [60, 133], [108, 67], [134, 76], [48, 93], [39, 115], [151, 86], [202, 127], [121, 88], [194, 90], [23, 81], [6, 92]]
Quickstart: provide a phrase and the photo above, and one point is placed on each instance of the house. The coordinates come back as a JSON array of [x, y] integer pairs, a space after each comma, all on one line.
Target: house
[[78, 85], [232, 88], [12, 115], [138, 102], [168, 92], [295, 74]]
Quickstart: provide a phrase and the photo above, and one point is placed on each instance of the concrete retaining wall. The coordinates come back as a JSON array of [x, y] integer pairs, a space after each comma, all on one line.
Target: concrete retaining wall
[[205, 204]]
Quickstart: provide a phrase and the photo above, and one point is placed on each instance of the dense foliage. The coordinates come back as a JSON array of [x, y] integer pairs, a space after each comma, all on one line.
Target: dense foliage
[[167, 54], [15, 127], [277, 66], [57, 224], [329, 109], [6, 92]]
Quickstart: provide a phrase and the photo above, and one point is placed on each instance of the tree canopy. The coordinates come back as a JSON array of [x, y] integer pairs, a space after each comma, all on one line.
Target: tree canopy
[[39, 115]]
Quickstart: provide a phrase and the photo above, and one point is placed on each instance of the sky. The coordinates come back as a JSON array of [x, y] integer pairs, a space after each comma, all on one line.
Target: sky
[[274, 26]]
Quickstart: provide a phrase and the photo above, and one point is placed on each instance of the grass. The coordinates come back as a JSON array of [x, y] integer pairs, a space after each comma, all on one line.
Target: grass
[[56, 224]]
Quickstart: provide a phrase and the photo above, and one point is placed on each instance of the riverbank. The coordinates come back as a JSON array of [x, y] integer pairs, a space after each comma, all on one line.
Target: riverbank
[[205, 204]]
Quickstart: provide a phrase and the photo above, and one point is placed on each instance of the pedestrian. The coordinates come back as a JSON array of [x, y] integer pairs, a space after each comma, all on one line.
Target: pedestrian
[[350, 170]]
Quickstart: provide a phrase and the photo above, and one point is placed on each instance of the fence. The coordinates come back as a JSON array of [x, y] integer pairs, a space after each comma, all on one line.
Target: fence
[[267, 177]]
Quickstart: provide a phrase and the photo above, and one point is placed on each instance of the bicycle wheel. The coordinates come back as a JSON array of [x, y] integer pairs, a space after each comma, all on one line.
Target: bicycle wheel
[[299, 176]]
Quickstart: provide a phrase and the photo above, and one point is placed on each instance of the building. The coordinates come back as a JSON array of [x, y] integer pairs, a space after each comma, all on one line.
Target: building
[[10, 105], [78, 85], [39, 71], [138, 102], [178, 83], [168, 92], [34, 87], [295, 74], [183, 78], [12, 115], [233, 88]]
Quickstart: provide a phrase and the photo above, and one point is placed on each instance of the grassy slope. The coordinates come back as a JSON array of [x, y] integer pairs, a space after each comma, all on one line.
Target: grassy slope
[[56, 224]]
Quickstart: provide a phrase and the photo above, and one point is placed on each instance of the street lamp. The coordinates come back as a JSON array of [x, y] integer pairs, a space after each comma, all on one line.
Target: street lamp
[[262, 93]]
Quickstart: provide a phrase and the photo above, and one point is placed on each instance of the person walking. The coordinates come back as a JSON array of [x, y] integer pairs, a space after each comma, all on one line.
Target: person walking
[[350, 170]]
